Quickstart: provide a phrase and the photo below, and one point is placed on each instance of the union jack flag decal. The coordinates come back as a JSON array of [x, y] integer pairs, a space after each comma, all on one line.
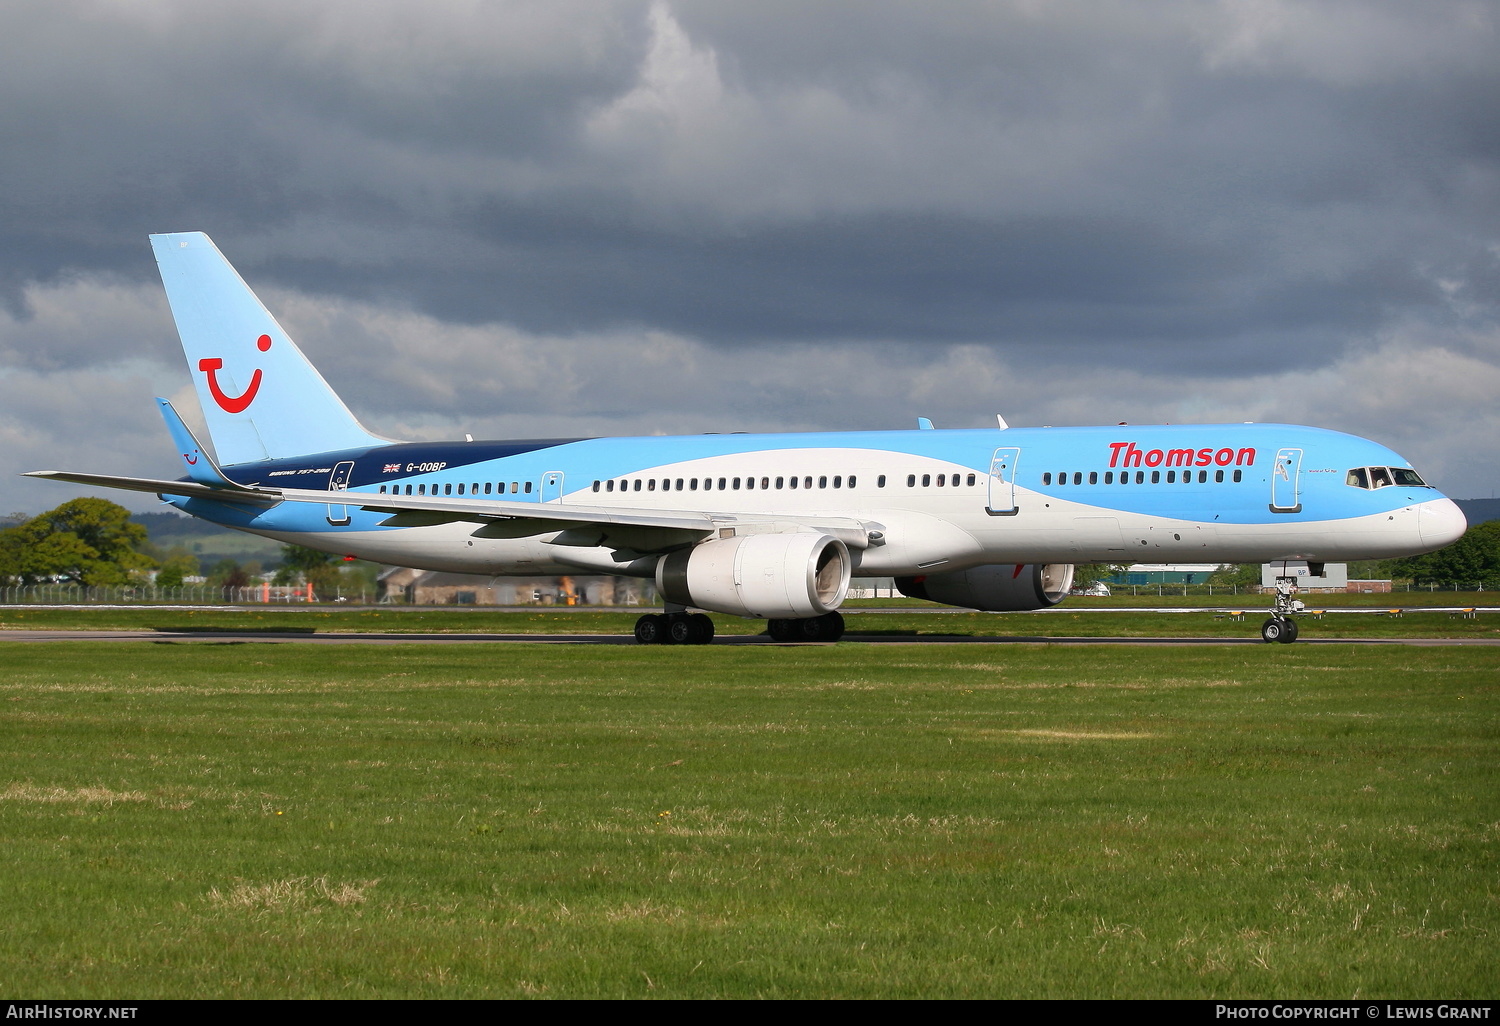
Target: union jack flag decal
[[391, 468]]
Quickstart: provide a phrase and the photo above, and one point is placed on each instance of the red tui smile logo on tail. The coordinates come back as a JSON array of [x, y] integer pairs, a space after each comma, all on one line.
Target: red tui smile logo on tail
[[233, 403]]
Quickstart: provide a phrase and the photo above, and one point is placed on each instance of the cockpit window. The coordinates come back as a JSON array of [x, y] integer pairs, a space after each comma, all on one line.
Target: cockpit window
[[1384, 477]]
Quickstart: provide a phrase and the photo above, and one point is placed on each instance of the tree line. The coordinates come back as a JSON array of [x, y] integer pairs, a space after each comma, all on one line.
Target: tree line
[[94, 543]]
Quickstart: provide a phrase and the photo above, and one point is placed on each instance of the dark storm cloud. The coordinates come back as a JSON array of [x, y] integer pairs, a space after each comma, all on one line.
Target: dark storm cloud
[[1185, 197]]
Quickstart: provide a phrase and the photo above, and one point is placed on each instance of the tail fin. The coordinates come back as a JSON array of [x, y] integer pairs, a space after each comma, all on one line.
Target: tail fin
[[260, 397]]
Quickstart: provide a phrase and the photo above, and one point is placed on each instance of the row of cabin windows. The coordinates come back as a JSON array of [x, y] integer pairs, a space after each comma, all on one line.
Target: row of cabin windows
[[693, 484], [953, 481], [516, 488], [1140, 477]]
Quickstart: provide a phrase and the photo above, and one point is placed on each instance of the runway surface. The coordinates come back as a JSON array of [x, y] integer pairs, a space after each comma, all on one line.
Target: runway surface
[[376, 638]]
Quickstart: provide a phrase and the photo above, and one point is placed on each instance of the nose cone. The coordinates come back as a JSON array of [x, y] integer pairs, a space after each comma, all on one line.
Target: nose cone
[[1440, 522]]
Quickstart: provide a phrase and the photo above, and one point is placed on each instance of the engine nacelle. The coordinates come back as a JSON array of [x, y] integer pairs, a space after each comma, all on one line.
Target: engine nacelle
[[996, 589], [776, 576]]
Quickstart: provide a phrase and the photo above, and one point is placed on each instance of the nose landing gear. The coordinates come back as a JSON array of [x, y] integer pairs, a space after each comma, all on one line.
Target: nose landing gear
[[1281, 627]]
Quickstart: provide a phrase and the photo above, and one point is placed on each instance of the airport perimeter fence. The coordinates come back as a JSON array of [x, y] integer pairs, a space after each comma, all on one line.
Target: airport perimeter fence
[[1165, 590], [149, 594]]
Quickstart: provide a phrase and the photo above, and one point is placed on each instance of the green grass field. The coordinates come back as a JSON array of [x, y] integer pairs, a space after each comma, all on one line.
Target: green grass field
[[892, 620], [193, 819]]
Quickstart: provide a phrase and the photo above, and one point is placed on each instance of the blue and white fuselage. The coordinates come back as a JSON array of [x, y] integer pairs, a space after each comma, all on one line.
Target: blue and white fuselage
[[769, 525], [1071, 495]]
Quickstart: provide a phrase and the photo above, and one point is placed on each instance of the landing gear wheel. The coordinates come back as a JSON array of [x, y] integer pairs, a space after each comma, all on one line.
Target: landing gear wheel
[[651, 629], [694, 629], [784, 630], [704, 625], [828, 627], [1277, 629]]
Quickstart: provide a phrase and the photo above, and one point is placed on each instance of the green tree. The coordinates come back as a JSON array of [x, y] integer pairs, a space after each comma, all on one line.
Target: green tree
[[1086, 574], [320, 569], [83, 541], [1244, 575], [227, 574], [1472, 561], [178, 565]]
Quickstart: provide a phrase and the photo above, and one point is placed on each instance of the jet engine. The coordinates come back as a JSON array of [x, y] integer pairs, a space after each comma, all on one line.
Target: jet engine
[[776, 576], [996, 589]]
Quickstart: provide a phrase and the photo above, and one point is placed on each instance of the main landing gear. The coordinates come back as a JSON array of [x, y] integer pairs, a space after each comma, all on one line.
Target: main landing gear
[[679, 628], [828, 627], [674, 629]]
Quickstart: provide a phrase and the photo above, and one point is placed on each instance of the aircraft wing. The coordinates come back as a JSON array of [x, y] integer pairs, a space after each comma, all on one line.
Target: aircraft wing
[[501, 517]]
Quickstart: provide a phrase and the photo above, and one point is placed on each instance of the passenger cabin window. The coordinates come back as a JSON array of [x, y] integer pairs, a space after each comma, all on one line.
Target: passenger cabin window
[[880, 481], [528, 487]]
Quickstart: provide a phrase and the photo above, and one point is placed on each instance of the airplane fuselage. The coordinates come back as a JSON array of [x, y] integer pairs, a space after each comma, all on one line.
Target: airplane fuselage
[[946, 500]]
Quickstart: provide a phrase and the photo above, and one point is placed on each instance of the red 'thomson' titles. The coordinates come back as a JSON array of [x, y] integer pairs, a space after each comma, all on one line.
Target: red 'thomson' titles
[[1125, 454]]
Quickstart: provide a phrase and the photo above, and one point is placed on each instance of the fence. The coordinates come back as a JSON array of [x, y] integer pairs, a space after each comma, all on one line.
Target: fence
[[186, 595], [1168, 590]]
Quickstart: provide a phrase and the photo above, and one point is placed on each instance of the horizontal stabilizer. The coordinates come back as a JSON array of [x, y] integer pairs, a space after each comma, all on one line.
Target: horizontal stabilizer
[[188, 489]]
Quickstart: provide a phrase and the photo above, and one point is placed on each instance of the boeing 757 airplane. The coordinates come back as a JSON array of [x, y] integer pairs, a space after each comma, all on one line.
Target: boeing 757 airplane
[[759, 525]]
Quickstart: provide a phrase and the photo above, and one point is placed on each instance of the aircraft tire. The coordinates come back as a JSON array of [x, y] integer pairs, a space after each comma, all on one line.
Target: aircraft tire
[[651, 629], [1272, 630], [703, 628], [784, 630], [828, 627], [1288, 631], [690, 629]]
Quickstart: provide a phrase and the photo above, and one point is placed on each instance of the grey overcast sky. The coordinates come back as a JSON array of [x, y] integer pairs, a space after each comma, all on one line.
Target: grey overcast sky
[[554, 217]]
